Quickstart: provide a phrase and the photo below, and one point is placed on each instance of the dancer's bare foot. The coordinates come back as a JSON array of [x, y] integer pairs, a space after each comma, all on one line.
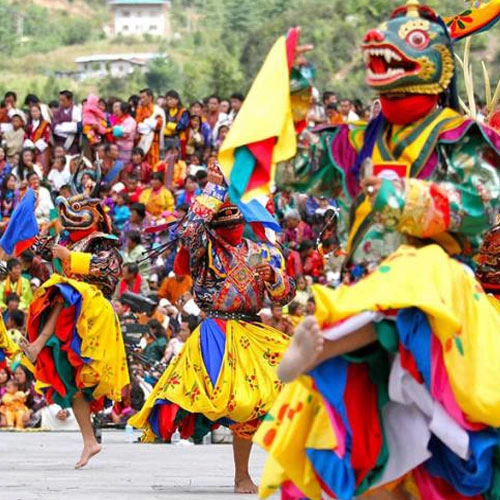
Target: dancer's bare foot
[[31, 351], [304, 350], [87, 453], [245, 485]]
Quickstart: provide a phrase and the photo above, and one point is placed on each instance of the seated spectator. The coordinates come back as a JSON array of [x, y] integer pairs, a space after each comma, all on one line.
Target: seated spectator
[[33, 266], [157, 199], [16, 325], [44, 205], [15, 283], [139, 167], [9, 196], [293, 263], [121, 212], [302, 293], [296, 230], [111, 165], [202, 178], [190, 192], [34, 401], [59, 173], [12, 302], [284, 202], [132, 281], [132, 188], [5, 375], [311, 307], [173, 169], [35, 284], [138, 222], [295, 313], [173, 287], [312, 262], [278, 321], [175, 344], [156, 341], [13, 406], [135, 251]]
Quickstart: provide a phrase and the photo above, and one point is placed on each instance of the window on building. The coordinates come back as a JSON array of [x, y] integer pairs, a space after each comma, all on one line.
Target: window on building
[[153, 27], [125, 27], [126, 13]]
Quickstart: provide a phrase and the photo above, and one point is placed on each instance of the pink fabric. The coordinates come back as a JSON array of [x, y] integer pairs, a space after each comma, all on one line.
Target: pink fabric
[[290, 492], [126, 142], [441, 389], [437, 489], [338, 428], [92, 115]]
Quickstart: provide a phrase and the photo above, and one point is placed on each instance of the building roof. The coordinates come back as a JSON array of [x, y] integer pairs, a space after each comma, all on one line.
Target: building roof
[[138, 2], [140, 58]]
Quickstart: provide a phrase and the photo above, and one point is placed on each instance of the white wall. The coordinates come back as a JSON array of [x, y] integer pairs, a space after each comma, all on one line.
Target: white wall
[[138, 20]]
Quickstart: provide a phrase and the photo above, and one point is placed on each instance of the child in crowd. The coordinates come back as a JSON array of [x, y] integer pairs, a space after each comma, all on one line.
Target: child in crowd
[[9, 196], [59, 175], [12, 301], [13, 406], [121, 212], [139, 167], [132, 188]]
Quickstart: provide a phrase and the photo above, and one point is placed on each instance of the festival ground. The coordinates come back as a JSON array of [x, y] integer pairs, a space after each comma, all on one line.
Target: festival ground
[[39, 465]]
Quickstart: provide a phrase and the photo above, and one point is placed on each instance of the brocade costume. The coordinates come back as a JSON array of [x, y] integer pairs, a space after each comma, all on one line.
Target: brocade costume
[[226, 372]]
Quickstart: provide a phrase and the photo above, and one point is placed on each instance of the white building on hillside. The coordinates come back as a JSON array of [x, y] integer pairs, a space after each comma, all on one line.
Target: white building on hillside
[[138, 17], [115, 65]]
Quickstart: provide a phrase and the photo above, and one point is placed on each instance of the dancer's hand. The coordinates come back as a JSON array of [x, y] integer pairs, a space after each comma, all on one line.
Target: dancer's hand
[[60, 252], [266, 273], [300, 50], [371, 186], [215, 175]]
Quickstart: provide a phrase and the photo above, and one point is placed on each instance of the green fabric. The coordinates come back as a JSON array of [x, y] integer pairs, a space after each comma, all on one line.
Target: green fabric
[[494, 492], [202, 424], [387, 335], [155, 350]]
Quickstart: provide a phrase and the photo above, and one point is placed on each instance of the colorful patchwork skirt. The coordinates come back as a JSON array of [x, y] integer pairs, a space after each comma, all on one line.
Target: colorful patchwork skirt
[[224, 375], [86, 354], [420, 409]]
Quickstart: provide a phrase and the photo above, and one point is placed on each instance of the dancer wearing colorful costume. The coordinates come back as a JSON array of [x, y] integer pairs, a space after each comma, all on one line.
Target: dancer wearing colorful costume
[[402, 385], [226, 372], [76, 343]]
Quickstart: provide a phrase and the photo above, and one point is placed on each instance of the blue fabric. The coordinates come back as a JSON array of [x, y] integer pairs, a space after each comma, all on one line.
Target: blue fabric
[[114, 172], [22, 225], [153, 418], [371, 134], [213, 346], [415, 335], [2, 355], [337, 473], [73, 298], [254, 211], [469, 477]]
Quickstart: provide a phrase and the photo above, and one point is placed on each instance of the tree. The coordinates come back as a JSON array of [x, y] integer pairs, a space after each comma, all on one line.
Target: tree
[[162, 74]]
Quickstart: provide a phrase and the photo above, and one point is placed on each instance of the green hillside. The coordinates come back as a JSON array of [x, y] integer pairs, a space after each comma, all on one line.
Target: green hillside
[[217, 45]]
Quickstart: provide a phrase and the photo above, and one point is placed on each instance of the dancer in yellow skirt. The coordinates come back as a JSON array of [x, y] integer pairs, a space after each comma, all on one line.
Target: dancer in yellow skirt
[[226, 372], [76, 343]]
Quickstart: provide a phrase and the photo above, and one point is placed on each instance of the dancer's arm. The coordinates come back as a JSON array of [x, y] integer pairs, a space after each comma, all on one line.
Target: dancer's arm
[[281, 288], [193, 232]]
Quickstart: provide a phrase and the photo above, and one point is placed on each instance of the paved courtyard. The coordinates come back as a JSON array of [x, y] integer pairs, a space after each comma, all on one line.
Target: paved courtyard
[[39, 465]]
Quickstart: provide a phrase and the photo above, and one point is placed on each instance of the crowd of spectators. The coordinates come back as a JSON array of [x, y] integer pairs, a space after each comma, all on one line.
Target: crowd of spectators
[[153, 155]]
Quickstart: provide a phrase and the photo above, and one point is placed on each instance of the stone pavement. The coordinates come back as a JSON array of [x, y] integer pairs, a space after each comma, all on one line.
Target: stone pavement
[[39, 465]]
